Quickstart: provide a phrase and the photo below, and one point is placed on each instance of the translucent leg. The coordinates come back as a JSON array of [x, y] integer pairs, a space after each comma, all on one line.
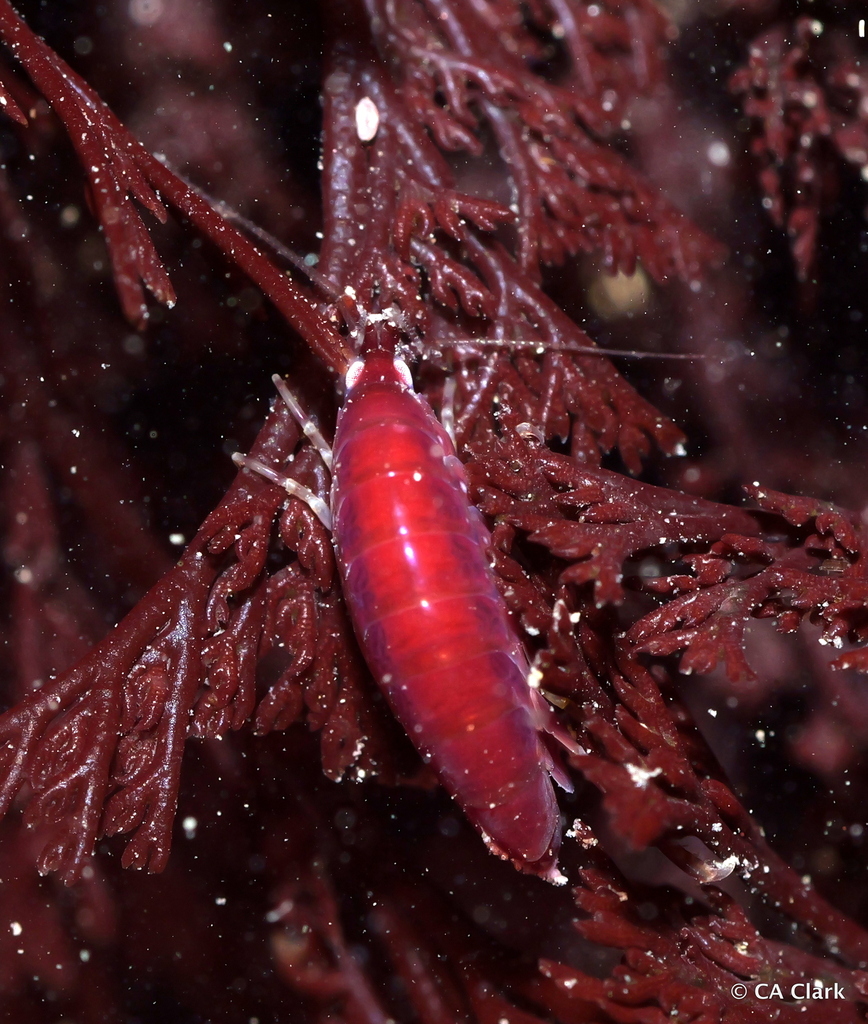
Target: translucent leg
[[314, 502], [311, 430], [447, 410], [293, 487]]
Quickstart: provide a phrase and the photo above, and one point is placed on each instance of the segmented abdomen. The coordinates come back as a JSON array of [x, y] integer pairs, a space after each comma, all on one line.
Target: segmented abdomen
[[430, 621]]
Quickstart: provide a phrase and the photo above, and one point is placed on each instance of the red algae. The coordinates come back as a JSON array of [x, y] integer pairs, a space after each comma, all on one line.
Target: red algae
[[533, 178]]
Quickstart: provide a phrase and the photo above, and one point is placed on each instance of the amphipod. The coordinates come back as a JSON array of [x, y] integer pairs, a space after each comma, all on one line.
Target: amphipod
[[430, 622]]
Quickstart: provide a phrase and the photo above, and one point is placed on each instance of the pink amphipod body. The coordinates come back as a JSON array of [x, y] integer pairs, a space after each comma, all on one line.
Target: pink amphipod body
[[433, 628]]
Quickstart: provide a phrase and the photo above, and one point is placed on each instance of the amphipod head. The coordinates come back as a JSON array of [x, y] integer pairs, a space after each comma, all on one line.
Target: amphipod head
[[379, 368], [377, 361]]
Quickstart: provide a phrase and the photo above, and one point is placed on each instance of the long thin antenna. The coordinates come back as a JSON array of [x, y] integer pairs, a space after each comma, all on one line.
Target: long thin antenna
[[335, 293], [229, 213], [326, 286], [540, 346]]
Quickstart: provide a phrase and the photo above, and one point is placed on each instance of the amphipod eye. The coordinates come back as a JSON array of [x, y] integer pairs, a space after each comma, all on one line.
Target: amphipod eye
[[353, 374], [403, 371]]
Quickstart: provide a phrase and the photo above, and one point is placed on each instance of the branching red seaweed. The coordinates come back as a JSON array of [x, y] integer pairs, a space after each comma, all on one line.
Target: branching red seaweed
[[806, 88], [482, 185]]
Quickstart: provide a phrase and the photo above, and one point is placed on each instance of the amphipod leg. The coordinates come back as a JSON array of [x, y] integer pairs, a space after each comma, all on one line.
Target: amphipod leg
[[314, 502], [311, 430], [447, 410]]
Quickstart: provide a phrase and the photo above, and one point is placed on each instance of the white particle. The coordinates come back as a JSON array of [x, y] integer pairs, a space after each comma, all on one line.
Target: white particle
[[718, 154], [279, 911], [718, 870], [367, 119], [145, 12], [640, 776], [189, 825], [16, 928]]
